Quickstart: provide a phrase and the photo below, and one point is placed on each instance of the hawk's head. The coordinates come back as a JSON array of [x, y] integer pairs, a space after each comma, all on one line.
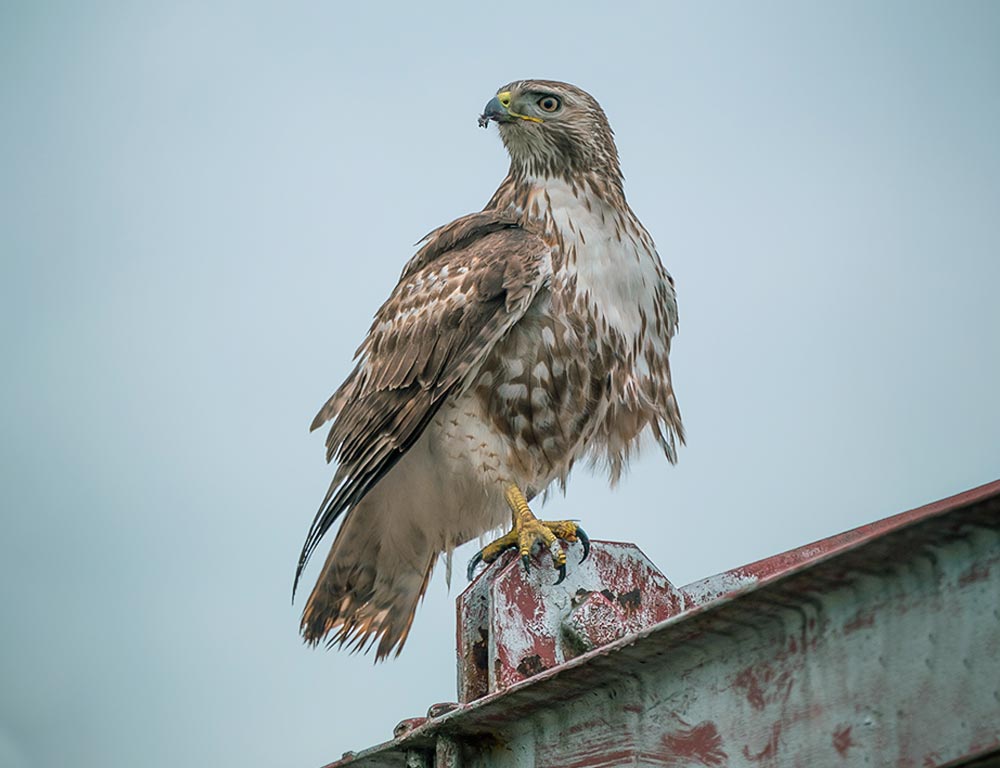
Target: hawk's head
[[553, 129]]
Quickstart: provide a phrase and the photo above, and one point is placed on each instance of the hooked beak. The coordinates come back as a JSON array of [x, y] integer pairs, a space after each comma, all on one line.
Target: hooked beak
[[494, 111]]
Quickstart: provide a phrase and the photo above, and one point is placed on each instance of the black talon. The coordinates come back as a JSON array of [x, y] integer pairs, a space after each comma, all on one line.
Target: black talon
[[562, 573], [585, 540], [526, 562], [471, 570]]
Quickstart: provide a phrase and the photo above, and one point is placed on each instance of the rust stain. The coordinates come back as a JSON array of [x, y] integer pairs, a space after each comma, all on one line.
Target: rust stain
[[701, 743], [861, 620], [975, 573], [630, 600], [842, 740], [531, 665]]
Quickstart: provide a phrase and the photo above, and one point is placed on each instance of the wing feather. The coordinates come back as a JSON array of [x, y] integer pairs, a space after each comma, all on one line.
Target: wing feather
[[456, 298]]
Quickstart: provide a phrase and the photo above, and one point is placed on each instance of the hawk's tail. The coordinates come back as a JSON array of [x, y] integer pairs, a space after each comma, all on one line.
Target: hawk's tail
[[371, 582]]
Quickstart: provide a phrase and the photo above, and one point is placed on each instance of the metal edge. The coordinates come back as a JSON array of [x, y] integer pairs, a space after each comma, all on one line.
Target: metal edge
[[790, 563]]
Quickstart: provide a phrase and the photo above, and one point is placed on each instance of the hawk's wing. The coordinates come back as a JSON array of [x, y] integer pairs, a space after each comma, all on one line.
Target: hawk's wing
[[461, 293]]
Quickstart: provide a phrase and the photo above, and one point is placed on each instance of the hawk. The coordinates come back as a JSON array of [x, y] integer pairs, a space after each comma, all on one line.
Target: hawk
[[519, 339]]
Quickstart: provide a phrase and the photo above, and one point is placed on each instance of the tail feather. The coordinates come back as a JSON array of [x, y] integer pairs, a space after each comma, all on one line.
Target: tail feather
[[370, 586], [350, 607]]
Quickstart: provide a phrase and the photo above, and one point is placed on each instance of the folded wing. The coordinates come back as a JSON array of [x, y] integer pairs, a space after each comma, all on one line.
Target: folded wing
[[466, 287]]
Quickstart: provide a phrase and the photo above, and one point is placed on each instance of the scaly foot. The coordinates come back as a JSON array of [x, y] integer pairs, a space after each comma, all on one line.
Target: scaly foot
[[529, 531]]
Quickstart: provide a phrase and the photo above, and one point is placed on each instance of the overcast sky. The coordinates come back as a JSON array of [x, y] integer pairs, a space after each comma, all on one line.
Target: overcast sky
[[203, 204]]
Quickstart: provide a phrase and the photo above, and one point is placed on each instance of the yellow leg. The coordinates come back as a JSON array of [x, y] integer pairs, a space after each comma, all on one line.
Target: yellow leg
[[527, 532]]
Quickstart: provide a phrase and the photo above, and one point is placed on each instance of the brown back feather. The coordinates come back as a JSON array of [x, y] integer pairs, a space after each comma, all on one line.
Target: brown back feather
[[461, 292]]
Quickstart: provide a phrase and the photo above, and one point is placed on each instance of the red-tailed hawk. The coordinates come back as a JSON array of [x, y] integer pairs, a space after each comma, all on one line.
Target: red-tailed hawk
[[518, 340]]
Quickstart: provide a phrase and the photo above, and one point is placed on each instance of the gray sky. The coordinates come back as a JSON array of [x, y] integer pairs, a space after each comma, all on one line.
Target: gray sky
[[203, 204]]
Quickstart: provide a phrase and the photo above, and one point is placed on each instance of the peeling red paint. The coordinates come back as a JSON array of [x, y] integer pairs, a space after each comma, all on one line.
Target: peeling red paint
[[861, 620], [781, 695], [842, 740], [748, 680], [763, 686], [701, 743], [530, 627], [405, 726]]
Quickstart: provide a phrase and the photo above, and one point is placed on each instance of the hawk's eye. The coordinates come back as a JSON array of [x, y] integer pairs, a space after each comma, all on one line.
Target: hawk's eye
[[548, 103]]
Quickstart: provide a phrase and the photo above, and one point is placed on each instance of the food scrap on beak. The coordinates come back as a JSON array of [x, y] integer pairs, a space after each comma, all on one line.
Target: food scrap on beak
[[494, 110]]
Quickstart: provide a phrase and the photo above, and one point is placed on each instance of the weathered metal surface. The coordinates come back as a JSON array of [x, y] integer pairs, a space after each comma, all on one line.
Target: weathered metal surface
[[745, 577], [513, 624], [877, 647]]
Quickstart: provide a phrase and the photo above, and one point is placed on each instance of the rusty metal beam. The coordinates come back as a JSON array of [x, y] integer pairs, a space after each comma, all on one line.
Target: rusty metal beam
[[880, 646]]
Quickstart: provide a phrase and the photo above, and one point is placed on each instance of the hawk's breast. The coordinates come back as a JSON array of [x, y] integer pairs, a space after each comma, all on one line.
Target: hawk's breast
[[543, 389], [571, 376]]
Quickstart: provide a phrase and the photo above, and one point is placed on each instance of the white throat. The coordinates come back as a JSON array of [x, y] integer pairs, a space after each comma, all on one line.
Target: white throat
[[606, 252]]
